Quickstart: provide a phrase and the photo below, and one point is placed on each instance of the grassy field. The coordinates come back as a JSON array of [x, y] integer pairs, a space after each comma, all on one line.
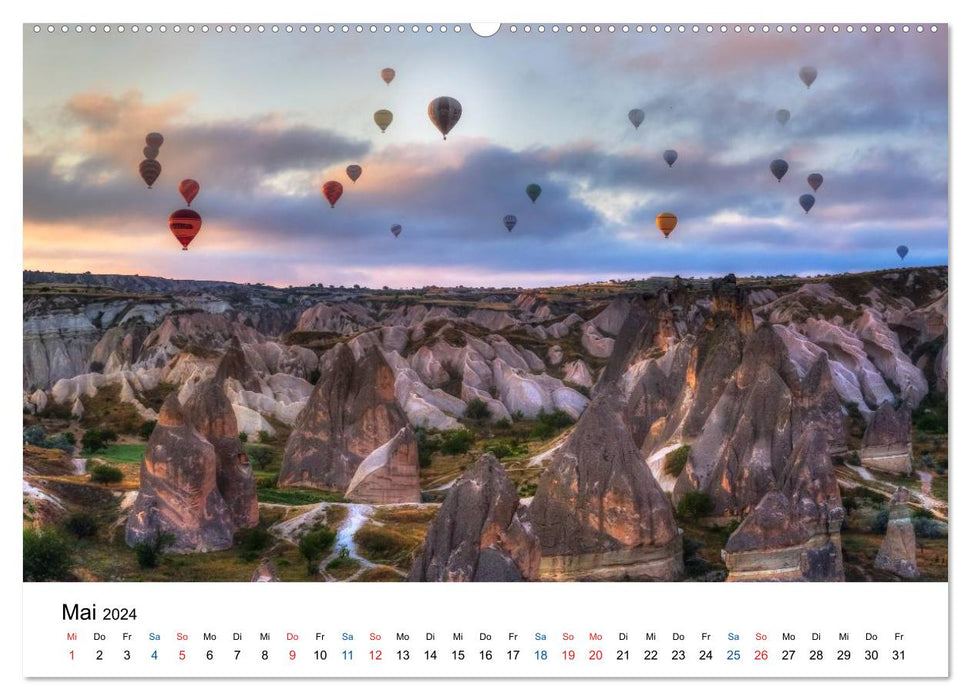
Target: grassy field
[[121, 453]]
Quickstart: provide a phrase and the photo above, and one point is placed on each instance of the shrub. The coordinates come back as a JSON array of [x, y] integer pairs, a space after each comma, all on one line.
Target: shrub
[[264, 437], [148, 553], [35, 435], [259, 456], [457, 442], [146, 428], [313, 545], [879, 524], [97, 439], [694, 504], [243, 437], [549, 424], [47, 556], [314, 376], [503, 424], [477, 409], [106, 474], [82, 525], [675, 461], [928, 528]]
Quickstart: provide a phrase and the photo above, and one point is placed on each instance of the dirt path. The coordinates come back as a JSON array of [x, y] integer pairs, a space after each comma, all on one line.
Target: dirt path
[[924, 497]]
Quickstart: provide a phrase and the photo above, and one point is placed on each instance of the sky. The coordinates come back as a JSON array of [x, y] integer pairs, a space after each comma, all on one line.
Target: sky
[[261, 121]]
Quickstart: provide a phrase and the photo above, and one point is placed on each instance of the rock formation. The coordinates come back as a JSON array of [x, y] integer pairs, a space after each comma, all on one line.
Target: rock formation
[[351, 413], [598, 512], [178, 493], [898, 552], [265, 572], [886, 442], [793, 533], [212, 415], [477, 534], [389, 474]]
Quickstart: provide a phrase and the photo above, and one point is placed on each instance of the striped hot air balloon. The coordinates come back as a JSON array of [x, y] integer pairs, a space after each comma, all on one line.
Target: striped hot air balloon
[[666, 221], [445, 113], [150, 169], [184, 225]]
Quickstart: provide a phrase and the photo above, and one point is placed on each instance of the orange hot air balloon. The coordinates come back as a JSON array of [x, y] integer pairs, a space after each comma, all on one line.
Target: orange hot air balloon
[[332, 191], [666, 222], [188, 189], [150, 169], [387, 75], [184, 225]]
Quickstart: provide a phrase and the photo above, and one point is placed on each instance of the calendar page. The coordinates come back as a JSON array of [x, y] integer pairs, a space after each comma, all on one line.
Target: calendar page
[[524, 350]]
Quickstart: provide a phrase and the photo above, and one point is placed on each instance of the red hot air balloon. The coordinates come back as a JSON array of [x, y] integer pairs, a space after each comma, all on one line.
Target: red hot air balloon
[[184, 225], [332, 191], [387, 75], [150, 169], [188, 189]]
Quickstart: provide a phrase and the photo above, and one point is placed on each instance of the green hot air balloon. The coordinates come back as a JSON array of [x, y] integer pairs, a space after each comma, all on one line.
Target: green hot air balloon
[[533, 191], [383, 118]]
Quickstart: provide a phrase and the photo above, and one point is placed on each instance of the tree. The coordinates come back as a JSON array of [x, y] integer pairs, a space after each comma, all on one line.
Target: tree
[[97, 439], [313, 545], [47, 556], [147, 553], [477, 409]]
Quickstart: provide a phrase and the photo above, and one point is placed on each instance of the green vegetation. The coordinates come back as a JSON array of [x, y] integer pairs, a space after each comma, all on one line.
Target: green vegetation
[[314, 544], [106, 474], [456, 442], [259, 456], [549, 424], [343, 567], [36, 436], [47, 556], [252, 541], [694, 505], [379, 574], [244, 438], [82, 525], [148, 553], [124, 453], [477, 410], [106, 411], [264, 437], [931, 415], [97, 439], [146, 428], [296, 497], [675, 461], [506, 448]]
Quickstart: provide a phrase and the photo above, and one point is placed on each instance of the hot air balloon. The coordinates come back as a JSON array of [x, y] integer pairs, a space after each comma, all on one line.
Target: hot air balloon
[[806, 201], [387, 75], [150, 152], [808, 75], [782, 116], [383, 118], [670, 156], [184, 225], [779, 168], [666, 221], [509, 221], [188, 189], [902, 251], [332, 191], [396, 228], [533, 191], [154, 140], [636, 117], [150, 170], [354, 172], [445, 113], [815, 180]]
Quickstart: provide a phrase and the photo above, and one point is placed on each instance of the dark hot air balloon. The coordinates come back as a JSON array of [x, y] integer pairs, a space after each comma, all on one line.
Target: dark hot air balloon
[[670, 156], [332, 191], [445, 113], [815, 180], [782, 116], [666, 221], [509, 221], [188, 189], [533, 191], [354, 172], [902, 251], [154, 140], [807, 74], [150, 170], [779, 168], [396, 230], [636, 117], [184, 225], [387, 75], [806, 201], [150, 153], [383, 118]]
